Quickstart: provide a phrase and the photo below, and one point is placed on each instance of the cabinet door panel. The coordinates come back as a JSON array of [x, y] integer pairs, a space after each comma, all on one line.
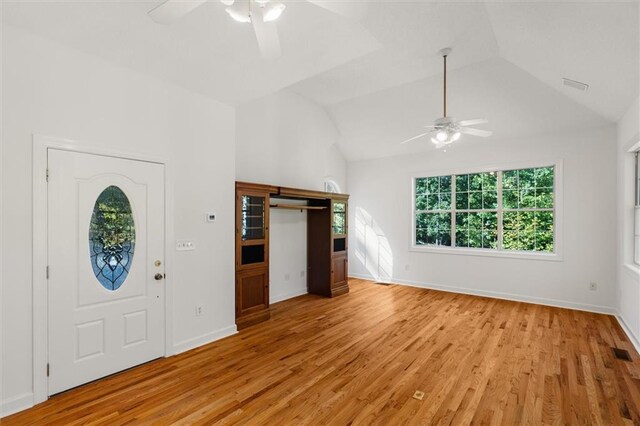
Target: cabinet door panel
[[252, 229], [339, 271], [252, 292]]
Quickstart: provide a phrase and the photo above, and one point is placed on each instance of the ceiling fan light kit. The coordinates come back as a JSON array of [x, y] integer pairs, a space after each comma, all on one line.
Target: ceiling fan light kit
[[240, 10], [273, 10], [445, 138], [261, 13], [446, 130]]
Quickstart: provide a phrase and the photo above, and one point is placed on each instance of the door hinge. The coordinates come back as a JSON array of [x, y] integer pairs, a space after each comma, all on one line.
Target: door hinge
[[48, 369], [47, 175], [47, 271]]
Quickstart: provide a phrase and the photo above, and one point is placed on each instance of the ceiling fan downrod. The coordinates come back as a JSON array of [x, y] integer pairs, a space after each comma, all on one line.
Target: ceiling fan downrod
[[445, 52]]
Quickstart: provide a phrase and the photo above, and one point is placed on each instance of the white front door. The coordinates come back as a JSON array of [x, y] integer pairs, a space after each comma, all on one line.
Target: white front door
[[106, 266]]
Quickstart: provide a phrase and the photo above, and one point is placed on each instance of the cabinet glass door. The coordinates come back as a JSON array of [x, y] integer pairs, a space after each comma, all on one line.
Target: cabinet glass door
[[339, 218], [253, 217]]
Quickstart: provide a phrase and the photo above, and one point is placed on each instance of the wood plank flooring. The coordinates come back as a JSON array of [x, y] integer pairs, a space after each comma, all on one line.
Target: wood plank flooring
[[359, 358]]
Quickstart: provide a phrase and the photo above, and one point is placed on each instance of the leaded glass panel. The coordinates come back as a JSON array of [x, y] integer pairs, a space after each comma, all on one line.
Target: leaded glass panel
[[112, 238]]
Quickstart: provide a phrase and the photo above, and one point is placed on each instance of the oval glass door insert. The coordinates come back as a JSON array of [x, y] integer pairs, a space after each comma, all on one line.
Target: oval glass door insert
[[112, 238]]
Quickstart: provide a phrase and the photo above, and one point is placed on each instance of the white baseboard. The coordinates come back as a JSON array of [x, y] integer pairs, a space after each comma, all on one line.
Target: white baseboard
[[635, 340], [288, 295], [195, 342], [500, 295], [15, 404]]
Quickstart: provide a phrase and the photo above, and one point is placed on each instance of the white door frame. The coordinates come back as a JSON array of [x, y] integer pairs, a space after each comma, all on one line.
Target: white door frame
[[41, 145]]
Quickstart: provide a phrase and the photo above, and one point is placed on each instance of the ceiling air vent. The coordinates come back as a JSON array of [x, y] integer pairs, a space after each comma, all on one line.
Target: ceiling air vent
[[583, 87]]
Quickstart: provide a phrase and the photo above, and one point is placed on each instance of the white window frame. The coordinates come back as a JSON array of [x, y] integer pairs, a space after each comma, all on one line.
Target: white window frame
[[632, 261], [556, 255], [636, 210]]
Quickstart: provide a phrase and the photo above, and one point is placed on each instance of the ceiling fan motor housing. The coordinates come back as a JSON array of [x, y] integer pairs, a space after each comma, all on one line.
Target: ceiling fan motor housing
[[445, 122]]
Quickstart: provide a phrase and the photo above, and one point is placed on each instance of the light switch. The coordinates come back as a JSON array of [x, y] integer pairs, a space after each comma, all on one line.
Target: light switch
[[185, 245]]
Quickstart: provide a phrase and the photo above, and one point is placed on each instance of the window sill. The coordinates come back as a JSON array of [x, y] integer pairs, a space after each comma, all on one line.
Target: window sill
[[552, 257]]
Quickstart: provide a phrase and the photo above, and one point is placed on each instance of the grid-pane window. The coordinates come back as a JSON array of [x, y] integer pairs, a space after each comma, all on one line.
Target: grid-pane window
[[476, 210], [433, 211], [527, 202], [478, 191], [512, 210], [477, 229]]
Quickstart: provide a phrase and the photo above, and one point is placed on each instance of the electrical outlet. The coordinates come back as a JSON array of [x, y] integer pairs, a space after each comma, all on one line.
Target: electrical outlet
[[287, 277], [198, 310], [406, 267], [593, 286], [301, 274]]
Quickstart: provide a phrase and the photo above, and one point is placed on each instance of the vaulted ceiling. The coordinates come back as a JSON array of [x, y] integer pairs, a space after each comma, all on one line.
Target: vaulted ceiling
[[380, 78]]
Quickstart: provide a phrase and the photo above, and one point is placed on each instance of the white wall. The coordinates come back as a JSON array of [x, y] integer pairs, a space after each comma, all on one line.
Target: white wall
[[287, 254], [381, 199], [285, 139], [628, 274], [55, 91]]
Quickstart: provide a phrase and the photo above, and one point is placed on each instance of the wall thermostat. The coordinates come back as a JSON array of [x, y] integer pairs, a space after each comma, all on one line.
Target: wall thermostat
[[211, 217]]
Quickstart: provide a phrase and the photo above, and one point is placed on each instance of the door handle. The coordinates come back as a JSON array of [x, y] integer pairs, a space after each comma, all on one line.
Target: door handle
[[158, 276]]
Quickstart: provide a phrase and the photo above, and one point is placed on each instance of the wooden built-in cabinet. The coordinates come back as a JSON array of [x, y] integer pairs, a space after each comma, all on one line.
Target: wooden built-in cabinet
[[252, 254], [339, 258], [327, 260], [319, 248], [327, 233]]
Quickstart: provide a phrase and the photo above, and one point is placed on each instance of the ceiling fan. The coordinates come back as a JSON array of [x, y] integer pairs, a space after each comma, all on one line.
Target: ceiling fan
[[446, 130], [261, 13]]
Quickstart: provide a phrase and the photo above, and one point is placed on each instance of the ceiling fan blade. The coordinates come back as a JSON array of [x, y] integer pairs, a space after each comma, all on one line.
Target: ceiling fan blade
[[475, 132], [473, 122], [267, 35], [349, 9], [414, 138], [171, 10]]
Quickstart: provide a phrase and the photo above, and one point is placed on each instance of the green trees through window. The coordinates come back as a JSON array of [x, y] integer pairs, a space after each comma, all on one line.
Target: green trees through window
[[502, 210], [528, 209], [433, 211]]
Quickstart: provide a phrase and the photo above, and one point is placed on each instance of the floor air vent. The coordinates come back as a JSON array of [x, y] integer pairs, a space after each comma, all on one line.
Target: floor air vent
[[621, 354], [381, 283]]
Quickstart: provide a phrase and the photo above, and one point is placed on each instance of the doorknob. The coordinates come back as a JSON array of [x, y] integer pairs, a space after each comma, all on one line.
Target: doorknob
[[158, 276]]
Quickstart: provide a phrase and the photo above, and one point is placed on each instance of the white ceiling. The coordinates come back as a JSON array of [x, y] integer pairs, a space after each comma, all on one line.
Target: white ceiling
[[380, 79], [205, 51], [596, 43], [411, 34], [515, 103]]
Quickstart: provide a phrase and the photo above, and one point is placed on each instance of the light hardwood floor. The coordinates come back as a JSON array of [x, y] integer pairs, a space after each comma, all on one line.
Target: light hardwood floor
[[358, 359]]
